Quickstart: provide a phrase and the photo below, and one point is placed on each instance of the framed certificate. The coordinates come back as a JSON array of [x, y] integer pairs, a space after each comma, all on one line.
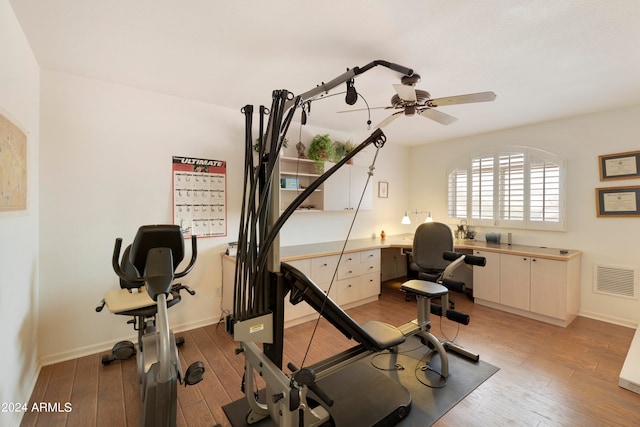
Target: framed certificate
[[618, 201], [619, 166]]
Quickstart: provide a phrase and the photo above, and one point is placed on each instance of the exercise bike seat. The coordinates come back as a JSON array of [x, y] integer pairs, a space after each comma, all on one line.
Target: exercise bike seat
[[135, 303], [132, 298]]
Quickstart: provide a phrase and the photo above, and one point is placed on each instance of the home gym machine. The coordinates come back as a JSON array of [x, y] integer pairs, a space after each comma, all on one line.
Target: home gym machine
[[262, 282], [146, 273]]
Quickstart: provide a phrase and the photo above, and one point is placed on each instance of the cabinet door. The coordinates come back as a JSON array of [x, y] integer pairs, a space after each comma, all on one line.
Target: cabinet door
[[357, 179], [370, 285], [348, 290], [336, 189], [549, 287], [322, 270], [486, 280], [515, 281], [345, 188]]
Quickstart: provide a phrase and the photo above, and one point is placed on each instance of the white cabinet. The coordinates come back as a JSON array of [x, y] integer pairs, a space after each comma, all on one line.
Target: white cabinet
[[345, 188], [356, 281], [553, 287], [529, 285], [515, 281], [358, 276], [486, 280]]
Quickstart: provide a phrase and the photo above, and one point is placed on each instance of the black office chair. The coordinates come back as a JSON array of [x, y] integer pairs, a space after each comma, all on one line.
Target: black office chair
[[430, 241], [426, 260]]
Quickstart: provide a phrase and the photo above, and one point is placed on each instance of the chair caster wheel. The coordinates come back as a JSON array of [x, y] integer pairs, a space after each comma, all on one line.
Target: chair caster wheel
[[180, 341]]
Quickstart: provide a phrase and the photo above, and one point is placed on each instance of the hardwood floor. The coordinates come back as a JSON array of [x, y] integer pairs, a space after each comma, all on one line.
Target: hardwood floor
[[548, 375]]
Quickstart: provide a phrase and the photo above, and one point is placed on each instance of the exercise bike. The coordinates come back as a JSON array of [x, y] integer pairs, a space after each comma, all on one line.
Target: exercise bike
[[148, 266]]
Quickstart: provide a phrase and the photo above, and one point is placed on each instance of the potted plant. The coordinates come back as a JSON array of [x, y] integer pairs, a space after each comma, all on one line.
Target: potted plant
[[256, 146], [321, 149], [341, 149]]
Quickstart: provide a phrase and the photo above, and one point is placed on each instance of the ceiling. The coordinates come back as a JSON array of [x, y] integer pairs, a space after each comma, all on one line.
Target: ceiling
[[545, 59]]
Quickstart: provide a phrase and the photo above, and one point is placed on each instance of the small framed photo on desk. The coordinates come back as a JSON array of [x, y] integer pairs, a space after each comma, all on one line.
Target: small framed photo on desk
[[383, 189]]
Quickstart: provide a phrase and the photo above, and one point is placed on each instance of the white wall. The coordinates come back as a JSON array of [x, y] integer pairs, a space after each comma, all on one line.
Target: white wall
[[580, 140], [19, 102], [106, 169]]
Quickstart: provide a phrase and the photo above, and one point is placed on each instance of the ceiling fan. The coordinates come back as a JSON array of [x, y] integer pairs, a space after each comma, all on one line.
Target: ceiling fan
[[410, 101]]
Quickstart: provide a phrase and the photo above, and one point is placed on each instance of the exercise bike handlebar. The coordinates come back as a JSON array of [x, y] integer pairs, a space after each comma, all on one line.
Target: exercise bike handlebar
[[115, 262], [192, 262]]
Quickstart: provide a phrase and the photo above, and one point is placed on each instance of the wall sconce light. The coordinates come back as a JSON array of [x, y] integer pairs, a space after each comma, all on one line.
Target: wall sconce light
[[407, 220]]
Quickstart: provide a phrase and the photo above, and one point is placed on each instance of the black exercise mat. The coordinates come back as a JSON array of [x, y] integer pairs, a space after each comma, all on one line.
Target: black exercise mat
[[428, 403]]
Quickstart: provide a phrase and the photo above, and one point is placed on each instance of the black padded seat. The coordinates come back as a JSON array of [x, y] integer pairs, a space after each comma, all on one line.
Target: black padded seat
[[385, 335], [424, 288]]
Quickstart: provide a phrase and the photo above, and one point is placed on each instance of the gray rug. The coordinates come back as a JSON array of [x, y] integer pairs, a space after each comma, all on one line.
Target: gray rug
[[431, 395]]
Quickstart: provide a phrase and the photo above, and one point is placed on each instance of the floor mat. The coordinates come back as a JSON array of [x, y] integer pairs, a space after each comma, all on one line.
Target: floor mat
[[431, 395]]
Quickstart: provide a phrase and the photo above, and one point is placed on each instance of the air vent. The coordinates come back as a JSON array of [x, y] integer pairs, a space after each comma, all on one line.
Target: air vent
[[616, 281]]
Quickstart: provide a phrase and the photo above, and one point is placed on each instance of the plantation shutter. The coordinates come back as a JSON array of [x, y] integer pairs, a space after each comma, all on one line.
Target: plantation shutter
[[511, 187], [482, 188], [545, 191], [457, 194]]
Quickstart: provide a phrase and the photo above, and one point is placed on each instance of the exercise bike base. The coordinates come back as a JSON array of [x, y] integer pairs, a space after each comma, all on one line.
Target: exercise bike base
[[122, 350]]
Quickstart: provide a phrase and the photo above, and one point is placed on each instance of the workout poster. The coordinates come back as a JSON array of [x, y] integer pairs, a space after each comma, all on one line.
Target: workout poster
[[199, 196]]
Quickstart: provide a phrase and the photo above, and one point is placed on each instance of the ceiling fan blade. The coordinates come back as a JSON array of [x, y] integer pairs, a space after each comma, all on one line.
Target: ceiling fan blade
[[365, 109], [462, 99], [438, 116], [405, 92], [389, 119]]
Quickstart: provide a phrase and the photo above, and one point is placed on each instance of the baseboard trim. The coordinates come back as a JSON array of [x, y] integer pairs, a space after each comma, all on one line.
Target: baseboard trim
[[107, 345]]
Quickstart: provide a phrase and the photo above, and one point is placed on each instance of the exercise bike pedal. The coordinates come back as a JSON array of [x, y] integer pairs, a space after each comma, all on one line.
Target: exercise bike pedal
[[122, 350], [194, 374]]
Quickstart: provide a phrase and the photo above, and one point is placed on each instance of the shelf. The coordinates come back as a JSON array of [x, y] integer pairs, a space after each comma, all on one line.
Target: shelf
[[294, 173], [299, 190], [295, 159]]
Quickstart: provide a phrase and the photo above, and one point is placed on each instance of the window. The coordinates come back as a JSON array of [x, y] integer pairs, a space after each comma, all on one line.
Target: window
[[512, 187]]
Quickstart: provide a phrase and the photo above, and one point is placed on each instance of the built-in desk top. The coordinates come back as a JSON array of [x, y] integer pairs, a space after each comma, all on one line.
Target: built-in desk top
[[291, 253]]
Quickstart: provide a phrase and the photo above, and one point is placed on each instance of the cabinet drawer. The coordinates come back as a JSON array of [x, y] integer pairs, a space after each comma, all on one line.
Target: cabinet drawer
[[350, 269], [372, 255], [370, 267]]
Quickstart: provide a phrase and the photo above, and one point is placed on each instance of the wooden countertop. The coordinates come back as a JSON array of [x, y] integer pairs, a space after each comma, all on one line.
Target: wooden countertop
[[291, 253]]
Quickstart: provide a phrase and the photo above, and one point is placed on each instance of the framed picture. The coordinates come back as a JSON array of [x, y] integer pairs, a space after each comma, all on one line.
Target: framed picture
[[619, 166], [383, 189], [618, 201], [13, 166]]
